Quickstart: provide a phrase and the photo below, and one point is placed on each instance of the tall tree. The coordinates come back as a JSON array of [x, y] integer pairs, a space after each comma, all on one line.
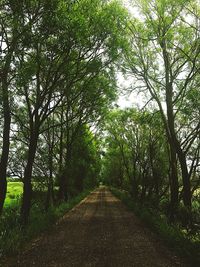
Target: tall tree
[[13, 29], [165, 60]]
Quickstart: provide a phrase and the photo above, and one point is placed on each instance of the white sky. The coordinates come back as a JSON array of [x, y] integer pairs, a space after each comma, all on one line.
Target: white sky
[[127, 99]]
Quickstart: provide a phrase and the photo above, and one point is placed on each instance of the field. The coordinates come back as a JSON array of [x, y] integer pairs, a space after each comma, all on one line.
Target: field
[[14, 191]]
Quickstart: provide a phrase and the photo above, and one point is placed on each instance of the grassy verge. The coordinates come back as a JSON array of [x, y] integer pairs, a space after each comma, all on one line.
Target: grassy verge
[[13, 237], [14, 191], [172, 236]]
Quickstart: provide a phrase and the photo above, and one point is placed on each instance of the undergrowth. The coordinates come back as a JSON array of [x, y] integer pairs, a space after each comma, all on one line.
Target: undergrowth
[[178, 241], [13, 237]]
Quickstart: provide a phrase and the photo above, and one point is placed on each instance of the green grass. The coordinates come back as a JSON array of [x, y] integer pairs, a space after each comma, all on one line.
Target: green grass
[[14, 191], [13, 237], [184, 245]]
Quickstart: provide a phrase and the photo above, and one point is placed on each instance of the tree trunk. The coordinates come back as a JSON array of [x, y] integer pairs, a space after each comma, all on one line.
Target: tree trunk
[[6, 140], [27, 190], [50, 192], [63, 192], [61, 141], [171, 125], [50, 195], [173, 182], [175, 145], [144, 186], [134, 184], [187, 196]]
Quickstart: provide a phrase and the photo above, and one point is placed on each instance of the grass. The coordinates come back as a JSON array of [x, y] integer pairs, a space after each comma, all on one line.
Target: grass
[[14, 191], [13, 237], [172, 236]]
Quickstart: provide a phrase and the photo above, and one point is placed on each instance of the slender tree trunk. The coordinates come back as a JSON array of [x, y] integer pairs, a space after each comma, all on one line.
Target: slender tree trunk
[[50, 192], [144, 187], [187, 196], [134, 185], [62, 170], [27, 190], [174, 186], [63, 190], [6, 139], [154, 172], [61, 141]]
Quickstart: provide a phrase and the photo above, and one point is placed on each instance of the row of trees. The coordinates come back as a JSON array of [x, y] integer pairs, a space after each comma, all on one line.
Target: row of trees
[[139, 161], [57, 80], [164, 61]]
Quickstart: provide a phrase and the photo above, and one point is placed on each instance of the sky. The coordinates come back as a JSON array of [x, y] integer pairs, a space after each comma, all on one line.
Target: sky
[[126, 99]]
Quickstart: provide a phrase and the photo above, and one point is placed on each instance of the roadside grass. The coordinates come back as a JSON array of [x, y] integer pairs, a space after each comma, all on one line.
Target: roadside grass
[[14, 191], [175, 239], [13, 237]]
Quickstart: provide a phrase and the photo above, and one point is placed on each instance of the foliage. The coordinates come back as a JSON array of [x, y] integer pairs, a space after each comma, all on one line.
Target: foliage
[[163, 58], [140, 152], [58, 63]]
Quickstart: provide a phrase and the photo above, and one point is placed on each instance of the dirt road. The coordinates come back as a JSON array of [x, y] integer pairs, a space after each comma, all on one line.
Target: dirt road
[[98, 232]]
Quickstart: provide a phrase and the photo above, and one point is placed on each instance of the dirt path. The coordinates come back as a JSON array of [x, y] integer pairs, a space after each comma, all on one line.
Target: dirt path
[[98, 232]]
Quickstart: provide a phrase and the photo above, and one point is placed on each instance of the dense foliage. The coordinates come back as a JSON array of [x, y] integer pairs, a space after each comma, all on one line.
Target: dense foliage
[[57, 81]]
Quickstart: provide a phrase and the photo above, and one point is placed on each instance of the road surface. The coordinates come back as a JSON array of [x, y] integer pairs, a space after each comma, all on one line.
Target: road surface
[[101, 232]]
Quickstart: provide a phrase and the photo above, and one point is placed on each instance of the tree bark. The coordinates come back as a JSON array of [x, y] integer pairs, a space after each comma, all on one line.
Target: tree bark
[[63, 192], [50, 192], [174, 186], [6, 135], [172, 134], [187, 196], [27, 190]]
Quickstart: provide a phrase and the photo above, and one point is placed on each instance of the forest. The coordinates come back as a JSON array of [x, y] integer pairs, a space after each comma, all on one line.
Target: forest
[[62, 129]]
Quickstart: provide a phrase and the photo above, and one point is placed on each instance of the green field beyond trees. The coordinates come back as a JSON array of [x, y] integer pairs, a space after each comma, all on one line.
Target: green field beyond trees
[[14, 192], [62, 129]]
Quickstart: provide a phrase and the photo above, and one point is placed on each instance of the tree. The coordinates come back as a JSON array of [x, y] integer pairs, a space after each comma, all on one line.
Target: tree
[[13, 28], [60, 63], [137, 158], [167, 64]]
